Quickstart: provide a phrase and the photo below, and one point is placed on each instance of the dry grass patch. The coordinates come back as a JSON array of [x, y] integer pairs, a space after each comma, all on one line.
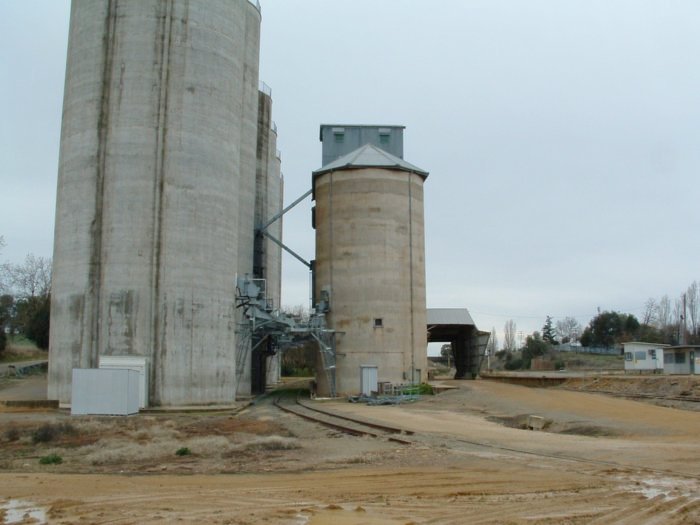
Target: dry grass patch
[[272, 443], [113, 452]]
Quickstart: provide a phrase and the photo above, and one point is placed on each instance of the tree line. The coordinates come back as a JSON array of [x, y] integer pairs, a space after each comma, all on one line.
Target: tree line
[[25, 299], [664, 321]]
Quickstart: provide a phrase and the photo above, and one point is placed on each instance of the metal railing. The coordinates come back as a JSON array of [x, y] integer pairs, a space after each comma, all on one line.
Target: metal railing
[[602, 350], [265, 88], [256, 3]]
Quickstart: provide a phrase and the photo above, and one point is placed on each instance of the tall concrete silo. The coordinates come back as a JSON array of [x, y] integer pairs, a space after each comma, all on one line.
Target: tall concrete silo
[[154, 201], [370, 269]]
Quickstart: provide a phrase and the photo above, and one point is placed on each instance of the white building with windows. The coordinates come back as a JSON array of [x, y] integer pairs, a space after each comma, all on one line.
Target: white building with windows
[[682, 359], [644, 357]]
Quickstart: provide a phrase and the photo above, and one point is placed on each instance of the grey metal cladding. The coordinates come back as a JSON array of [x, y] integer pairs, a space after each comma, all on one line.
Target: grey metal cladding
[[340, 139]]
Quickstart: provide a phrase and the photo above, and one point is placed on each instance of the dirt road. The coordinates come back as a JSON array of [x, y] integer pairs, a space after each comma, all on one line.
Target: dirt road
[[599, 461]]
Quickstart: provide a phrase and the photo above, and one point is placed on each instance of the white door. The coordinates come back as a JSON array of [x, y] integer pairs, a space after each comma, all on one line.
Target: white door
[[369, 380]]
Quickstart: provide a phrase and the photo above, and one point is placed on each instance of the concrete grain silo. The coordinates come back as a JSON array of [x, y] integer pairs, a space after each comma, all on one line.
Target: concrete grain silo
[[370, 268], [266, 366], [248, 140], [156, 187]]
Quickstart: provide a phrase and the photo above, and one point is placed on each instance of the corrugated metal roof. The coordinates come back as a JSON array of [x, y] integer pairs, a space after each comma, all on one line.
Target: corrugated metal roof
[[449, 316], [369, 156], [642, 343]]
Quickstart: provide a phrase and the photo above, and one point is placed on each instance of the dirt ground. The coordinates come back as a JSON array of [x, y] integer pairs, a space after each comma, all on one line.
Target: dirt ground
[[598, 460]]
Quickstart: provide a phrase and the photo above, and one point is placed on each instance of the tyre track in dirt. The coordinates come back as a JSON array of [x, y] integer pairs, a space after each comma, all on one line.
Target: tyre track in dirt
[[460, 468]]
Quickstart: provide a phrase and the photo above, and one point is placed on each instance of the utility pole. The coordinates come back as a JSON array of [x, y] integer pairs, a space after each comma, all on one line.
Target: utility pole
[[681, 339]]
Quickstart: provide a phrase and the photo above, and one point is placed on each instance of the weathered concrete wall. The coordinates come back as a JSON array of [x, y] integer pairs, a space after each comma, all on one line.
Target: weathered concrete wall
[[370, 254], [246, 184], [148, 218], [273, 252], [268, 203], [261, 180], [248, 140]]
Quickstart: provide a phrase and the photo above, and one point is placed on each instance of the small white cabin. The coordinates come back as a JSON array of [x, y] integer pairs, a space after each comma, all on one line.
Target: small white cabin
[[682, 359], [644, 357]]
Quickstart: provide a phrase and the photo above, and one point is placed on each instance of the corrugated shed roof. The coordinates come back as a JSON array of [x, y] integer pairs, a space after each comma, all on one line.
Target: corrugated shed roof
[[369, 156], [642, 343], [449, 316]]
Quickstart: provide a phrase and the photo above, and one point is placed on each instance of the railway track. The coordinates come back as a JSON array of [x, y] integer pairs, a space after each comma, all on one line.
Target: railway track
[[690, 399], [344, 424], [361, 428]]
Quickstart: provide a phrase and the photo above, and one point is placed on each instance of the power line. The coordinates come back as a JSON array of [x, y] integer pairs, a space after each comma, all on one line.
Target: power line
[[556, 316]]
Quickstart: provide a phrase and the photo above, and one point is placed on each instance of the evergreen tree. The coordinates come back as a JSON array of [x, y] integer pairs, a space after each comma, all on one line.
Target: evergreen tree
[[548, 332]]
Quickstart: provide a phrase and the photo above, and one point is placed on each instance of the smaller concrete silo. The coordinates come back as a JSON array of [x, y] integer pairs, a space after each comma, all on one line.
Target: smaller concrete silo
[[370, 270], [265, 363]]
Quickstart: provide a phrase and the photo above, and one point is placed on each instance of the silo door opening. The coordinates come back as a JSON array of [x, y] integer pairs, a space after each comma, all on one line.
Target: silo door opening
[[258, 373], [368, 380]]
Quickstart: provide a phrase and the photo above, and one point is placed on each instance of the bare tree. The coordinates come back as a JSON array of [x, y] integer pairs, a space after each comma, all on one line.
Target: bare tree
[[663, 312], [298, 311], [677, 312], [650, 311], [492, 346], [509, 331], [569, 329], [3, 269], [30, 279]]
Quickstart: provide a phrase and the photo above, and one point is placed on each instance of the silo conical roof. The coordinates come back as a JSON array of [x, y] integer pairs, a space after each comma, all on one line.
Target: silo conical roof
[[370, 156]]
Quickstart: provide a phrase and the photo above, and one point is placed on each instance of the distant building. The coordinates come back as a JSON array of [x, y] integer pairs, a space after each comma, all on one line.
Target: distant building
[[682, 359], [644, 357]]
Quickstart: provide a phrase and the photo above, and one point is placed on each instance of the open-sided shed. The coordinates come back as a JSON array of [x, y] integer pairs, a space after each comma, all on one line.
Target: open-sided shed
[[456, 326]]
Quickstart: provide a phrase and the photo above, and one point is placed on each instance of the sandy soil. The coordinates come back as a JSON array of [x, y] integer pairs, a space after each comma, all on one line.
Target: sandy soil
[[599, 460]]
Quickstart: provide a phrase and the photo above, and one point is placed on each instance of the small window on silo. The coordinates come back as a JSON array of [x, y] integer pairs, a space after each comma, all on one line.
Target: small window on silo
[[378, 322], [339, 138], [384, 135]]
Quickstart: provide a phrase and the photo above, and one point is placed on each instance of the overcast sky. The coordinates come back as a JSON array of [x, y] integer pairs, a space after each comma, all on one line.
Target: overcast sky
[[562, 138]]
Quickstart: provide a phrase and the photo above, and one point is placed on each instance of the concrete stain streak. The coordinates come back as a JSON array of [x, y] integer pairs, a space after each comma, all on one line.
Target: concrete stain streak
[[163, 46], [95, 274]]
